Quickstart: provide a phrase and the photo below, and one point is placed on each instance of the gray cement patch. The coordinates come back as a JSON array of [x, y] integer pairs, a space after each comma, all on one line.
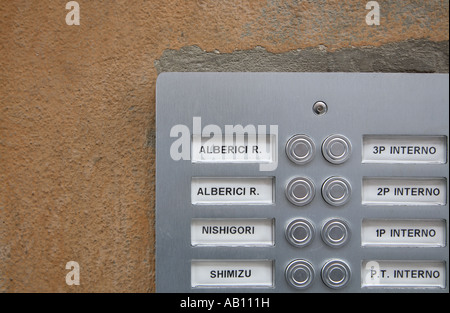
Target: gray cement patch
[[414, 56]]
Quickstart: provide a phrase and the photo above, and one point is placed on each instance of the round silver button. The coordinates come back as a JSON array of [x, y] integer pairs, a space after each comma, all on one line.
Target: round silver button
[[336, 191], [336, 149], [300, 149], [336, 274], [300, 191], [300, 232], [335, 233], [300, 274]]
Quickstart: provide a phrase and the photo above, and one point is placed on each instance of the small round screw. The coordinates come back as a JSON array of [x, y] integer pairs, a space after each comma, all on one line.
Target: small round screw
[[320, 108]]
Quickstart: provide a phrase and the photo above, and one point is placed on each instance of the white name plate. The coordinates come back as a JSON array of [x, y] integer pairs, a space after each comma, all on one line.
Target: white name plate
[[403, 233], [404, 191], [403, 274], [235, 273], [232, 232], [404, 149], [232, 190], [249, 148]]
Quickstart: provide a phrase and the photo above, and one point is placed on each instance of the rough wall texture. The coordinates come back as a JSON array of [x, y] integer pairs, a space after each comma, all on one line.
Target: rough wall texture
[[77, 111]]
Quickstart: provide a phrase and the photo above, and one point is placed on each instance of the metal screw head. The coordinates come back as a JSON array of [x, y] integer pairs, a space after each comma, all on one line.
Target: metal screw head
[[320, 108]]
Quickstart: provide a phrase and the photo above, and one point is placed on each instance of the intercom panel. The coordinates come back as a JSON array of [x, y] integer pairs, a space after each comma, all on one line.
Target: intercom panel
[[302, 182]]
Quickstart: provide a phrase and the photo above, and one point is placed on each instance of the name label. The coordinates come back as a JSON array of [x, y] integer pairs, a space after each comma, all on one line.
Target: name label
[[403, 274], [404, 191], [251, 148], [232, 232], [226, 190], [403, 233], [242, 273], [404, 149]]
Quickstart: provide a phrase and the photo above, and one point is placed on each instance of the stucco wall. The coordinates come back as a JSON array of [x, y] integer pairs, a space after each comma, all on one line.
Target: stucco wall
[[77, 111]]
